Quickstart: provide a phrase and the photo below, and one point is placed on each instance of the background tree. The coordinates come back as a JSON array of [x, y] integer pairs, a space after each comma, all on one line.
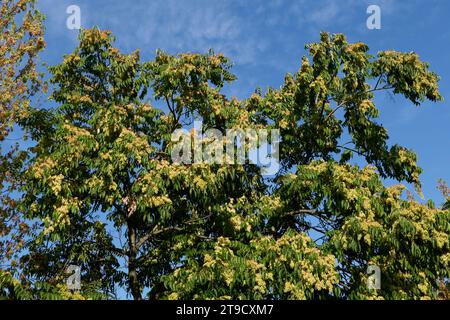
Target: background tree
[[102, 173], [21, 39]]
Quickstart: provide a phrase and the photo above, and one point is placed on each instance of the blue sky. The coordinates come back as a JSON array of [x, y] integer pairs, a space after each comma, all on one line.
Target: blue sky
[[265, 39]]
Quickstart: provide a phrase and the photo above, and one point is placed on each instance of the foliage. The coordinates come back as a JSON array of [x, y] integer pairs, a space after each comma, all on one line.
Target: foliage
[[101, 173]]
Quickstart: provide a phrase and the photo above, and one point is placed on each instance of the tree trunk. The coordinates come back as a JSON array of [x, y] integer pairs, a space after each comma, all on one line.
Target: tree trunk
[[132, 273]]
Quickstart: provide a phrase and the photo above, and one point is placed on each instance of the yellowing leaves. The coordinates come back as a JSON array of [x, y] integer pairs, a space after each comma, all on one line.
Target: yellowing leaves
[[200, 183], [260, 284], [236, 222], [228, 276], [158, 201], [42, 167], [55, 183]]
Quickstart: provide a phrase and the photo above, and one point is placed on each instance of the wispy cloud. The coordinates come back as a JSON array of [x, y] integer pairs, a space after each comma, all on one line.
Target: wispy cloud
[[181, 26]]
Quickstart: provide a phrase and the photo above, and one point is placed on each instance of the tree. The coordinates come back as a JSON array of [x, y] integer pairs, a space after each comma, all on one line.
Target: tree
[[21, 39], [102, 172]]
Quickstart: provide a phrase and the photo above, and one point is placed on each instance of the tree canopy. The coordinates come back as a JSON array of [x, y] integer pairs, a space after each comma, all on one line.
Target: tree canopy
[[108, 197]]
